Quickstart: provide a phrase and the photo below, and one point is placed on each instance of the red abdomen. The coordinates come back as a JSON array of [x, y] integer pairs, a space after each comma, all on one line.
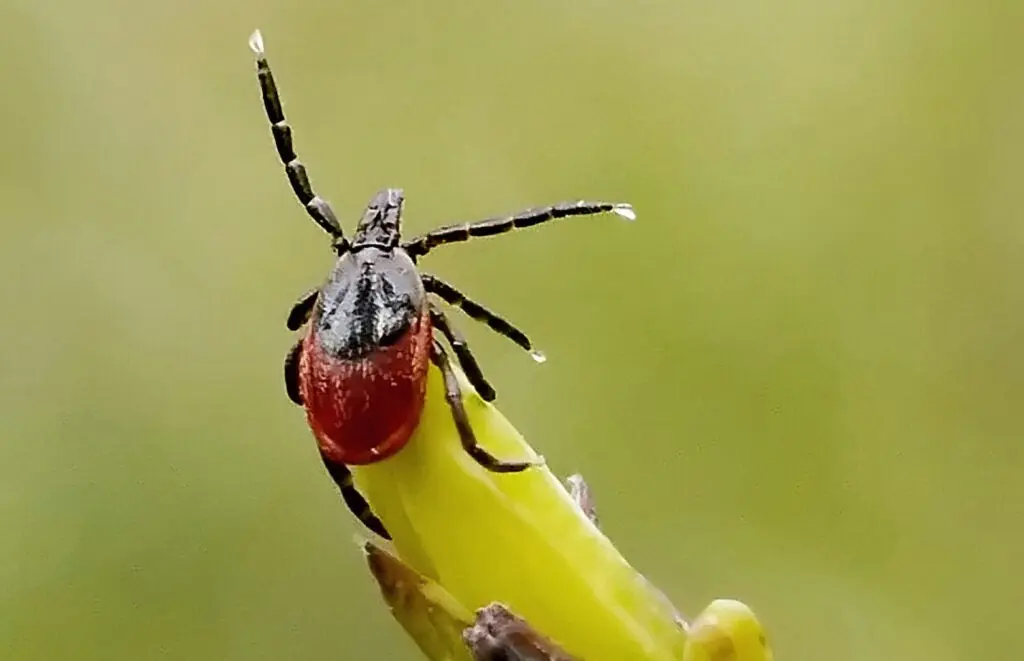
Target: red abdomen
[[365, 410]]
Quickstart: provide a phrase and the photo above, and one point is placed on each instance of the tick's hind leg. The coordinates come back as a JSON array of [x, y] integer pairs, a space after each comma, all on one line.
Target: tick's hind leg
[[291, 373], [465, 357], [453, 393], [354, 500]]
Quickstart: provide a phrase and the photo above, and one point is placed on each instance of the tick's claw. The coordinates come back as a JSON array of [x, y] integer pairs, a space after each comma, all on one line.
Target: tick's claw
[[625, 210], [256, 43]]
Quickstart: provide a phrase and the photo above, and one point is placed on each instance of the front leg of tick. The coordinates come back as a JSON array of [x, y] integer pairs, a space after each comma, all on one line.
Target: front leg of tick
[[453, 393]]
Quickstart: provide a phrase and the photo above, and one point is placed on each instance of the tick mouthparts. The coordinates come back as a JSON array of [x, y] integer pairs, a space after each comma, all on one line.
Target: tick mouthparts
[[256, 43], [624, 210]]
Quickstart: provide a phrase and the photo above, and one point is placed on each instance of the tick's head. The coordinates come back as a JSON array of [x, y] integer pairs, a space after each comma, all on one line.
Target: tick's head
[[381, 224], [371, 300]]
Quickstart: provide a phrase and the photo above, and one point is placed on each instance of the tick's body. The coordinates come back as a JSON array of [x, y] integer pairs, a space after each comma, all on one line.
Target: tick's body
[[360, 368], [364, 358]]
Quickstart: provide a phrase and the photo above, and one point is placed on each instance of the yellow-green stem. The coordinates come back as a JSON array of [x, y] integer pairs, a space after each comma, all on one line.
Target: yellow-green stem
[[517, 539]]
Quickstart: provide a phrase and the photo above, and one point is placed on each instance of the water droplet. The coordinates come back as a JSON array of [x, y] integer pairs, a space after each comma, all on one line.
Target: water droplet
[[256, 43], [625, 210], [538, 356]]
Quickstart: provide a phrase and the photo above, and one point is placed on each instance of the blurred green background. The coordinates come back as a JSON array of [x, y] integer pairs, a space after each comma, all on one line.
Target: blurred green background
[[795, 381]]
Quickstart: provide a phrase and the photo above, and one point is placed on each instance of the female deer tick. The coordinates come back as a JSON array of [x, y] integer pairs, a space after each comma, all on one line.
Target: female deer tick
[[360, 368]]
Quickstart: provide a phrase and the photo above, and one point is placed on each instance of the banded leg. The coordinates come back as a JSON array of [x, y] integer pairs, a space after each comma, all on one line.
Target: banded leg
[[291, 373], [453, 393], [580, 492], [354, 500], [299, 314], [453, 296], [421, 245], [465, 357], [318, 208]]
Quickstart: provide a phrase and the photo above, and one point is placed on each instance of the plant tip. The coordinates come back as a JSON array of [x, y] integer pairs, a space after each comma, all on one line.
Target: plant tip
[[256, 43], [625, 210]]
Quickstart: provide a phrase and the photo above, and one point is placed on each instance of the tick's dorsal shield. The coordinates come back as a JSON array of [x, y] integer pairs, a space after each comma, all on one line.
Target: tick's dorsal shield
[[372, 297]]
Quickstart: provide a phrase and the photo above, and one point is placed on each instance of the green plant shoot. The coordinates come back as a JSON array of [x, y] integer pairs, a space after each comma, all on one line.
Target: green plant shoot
[[727, 630], [517, 539]]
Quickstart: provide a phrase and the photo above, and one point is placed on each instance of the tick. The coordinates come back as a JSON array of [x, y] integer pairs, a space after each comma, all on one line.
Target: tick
[[359, 369]]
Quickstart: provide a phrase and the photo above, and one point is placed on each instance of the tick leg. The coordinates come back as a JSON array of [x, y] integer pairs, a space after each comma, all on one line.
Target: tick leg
[[453, 393], [580, 492], [466, 359], [317, 207], [354, 500], [421, 245], [453, 296], [299, 314], [291, 373]]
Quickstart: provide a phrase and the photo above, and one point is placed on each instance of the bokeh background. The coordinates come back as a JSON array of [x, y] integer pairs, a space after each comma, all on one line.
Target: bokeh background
[[797, 380]]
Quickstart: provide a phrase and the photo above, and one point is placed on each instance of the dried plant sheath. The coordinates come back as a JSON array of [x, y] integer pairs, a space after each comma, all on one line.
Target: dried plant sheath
[[516, 539], [431, 617], [500, 635], [441, 627]]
